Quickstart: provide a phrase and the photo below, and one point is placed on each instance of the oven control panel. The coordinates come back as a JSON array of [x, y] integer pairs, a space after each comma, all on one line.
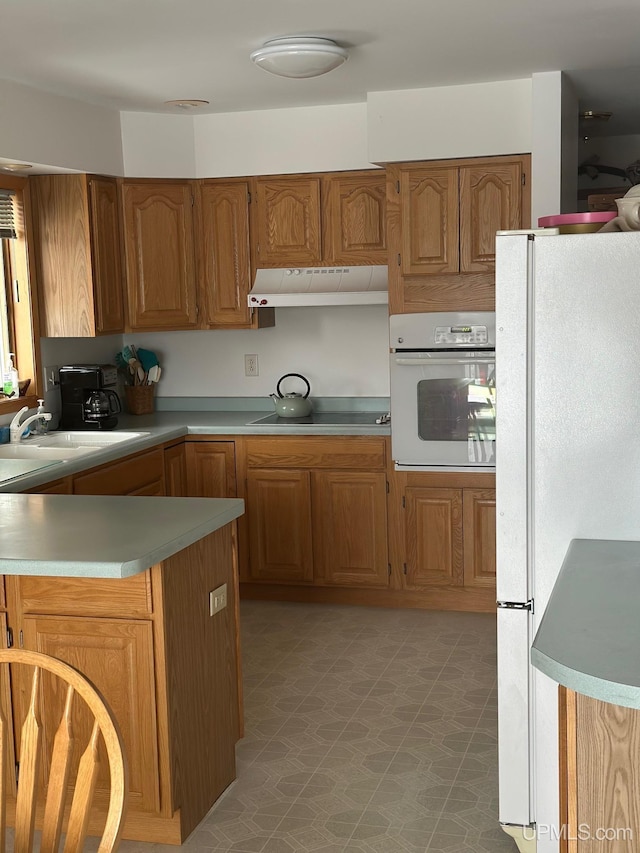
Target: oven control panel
[[452, 335]]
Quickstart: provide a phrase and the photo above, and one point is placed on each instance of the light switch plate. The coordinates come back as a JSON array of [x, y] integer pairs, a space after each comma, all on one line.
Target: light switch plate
[[217, 599]]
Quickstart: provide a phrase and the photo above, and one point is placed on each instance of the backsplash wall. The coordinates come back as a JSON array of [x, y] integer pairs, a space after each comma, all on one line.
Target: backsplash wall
[[343, 351]]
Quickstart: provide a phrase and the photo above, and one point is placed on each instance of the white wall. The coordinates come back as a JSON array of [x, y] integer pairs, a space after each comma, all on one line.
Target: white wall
[[41, 128], [451, 121], [342, 351], [158, 146], [546, 155], [269, 142]]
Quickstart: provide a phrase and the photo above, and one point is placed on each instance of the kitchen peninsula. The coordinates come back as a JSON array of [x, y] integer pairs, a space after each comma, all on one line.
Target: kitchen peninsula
[[124, 588]]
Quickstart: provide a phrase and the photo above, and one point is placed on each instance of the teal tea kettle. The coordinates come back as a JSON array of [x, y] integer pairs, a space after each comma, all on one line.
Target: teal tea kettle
[[292, 405]]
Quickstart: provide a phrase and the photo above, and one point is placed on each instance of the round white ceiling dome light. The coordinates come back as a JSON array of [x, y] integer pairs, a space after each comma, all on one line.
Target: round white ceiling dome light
[[299, 56]]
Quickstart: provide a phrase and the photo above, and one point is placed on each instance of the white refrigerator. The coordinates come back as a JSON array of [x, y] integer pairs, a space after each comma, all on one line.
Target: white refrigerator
[[567, 466]]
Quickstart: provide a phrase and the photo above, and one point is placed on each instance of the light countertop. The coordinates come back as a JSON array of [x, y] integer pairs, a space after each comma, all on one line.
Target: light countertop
[[102, 536], [164, 426], [589, 636]]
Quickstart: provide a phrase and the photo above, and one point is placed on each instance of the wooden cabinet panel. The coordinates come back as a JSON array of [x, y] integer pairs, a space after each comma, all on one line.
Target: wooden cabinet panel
[[430, 231], [479, 509], [317, 452], [107, 255], [160, 254], [117, 656], [211, 469], [354, 218], [58, 596], [287, 212], [175, 471], [60, 487], [9, 780], [133, 475], [350, 528], [434, 547], [279, 519], [224, 252], [490, 201], [78, 255], [599, 760]]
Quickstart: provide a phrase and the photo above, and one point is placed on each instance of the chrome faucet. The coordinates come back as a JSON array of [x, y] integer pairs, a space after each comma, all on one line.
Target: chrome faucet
[[16, 428]]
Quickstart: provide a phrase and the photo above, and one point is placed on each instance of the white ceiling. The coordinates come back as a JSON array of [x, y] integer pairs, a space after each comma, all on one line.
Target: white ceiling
[[136, 54]]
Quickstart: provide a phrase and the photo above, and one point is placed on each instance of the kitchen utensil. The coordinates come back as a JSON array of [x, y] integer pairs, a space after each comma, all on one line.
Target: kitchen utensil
[[292, 405], [147, 359]]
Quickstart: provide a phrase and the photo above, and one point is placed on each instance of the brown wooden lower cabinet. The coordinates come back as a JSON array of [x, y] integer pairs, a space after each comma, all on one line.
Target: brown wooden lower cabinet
[[316, 512], [166, 667], [142, 474], [211, 469], [599, 775], [433, 537]]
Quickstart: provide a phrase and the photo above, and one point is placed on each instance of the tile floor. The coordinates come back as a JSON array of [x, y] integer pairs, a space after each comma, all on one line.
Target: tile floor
[[367, 731]]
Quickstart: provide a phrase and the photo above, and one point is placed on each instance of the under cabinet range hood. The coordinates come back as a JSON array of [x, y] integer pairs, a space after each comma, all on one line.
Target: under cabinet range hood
[[318, 286]]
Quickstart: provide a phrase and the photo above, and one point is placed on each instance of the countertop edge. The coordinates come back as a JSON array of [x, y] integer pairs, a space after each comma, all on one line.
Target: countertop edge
[[589, 634]]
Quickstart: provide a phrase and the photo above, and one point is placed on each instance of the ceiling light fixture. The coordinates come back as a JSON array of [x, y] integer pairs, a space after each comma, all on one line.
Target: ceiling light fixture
[[299, 56], [187, 103], [16, 167]]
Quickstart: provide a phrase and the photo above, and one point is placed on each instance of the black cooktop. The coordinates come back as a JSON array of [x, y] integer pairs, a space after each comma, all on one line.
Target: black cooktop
[[322, 419]]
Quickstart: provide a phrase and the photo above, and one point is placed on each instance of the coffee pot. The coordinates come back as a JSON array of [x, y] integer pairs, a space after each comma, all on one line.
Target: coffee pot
[[100, 407]]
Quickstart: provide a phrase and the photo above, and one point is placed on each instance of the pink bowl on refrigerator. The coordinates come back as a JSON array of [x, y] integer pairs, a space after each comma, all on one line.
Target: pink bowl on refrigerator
[[577, 223]]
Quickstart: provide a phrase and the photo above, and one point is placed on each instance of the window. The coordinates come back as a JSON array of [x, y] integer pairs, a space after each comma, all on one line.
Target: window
[[18, 317]]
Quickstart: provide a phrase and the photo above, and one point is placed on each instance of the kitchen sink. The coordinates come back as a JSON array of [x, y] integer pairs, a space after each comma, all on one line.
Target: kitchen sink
[[77, 439], [65, 445], [31, 451]]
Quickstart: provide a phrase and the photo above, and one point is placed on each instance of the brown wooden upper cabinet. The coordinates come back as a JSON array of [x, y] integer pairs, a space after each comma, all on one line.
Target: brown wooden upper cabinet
[[78, 259], [160, 254], [450, 215], [320, 220], [224, 255]]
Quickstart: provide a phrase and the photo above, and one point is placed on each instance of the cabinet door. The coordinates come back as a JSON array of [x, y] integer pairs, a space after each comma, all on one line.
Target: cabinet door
[[288, 221], [62, 254], [479, 510], [430, 228], [117, 656], [7, 711], [132, 475], [350, 528], [433, 537], [211, 469], [354, 217], [106, 255], [159, 253], [175, 471], [224, 253], [490, 200], [279, 519]]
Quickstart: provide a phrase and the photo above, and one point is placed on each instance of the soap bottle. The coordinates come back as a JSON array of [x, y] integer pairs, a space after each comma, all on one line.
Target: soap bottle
[[40, 427], [10, 379]]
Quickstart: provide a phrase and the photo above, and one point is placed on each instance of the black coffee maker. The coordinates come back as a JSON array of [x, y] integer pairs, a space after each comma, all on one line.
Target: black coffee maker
[[89, 399]]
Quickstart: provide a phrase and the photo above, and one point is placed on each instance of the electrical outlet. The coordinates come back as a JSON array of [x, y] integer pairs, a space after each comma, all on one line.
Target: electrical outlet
[[251, 365], [51, 377], [217, 599]]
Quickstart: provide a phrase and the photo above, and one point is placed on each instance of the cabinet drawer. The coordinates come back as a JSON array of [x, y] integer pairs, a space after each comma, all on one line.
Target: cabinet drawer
[[313, 452], [86, 596], [122, 478]]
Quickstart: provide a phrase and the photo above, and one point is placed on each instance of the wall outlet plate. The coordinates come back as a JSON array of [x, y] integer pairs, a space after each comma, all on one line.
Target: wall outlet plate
[[251, 365], [217, 599]]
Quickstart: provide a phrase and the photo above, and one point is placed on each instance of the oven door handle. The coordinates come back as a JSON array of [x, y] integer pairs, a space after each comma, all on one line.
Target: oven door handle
[[421, 360]]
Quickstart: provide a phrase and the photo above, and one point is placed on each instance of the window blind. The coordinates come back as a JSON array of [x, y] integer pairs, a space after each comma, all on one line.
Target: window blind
[[7, 214]]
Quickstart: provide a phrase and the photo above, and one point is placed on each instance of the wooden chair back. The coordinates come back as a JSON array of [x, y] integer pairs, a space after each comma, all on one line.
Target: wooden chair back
[[31, 749]]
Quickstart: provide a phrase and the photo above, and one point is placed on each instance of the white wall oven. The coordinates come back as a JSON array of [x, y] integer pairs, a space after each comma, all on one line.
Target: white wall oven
[[443, 391]]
